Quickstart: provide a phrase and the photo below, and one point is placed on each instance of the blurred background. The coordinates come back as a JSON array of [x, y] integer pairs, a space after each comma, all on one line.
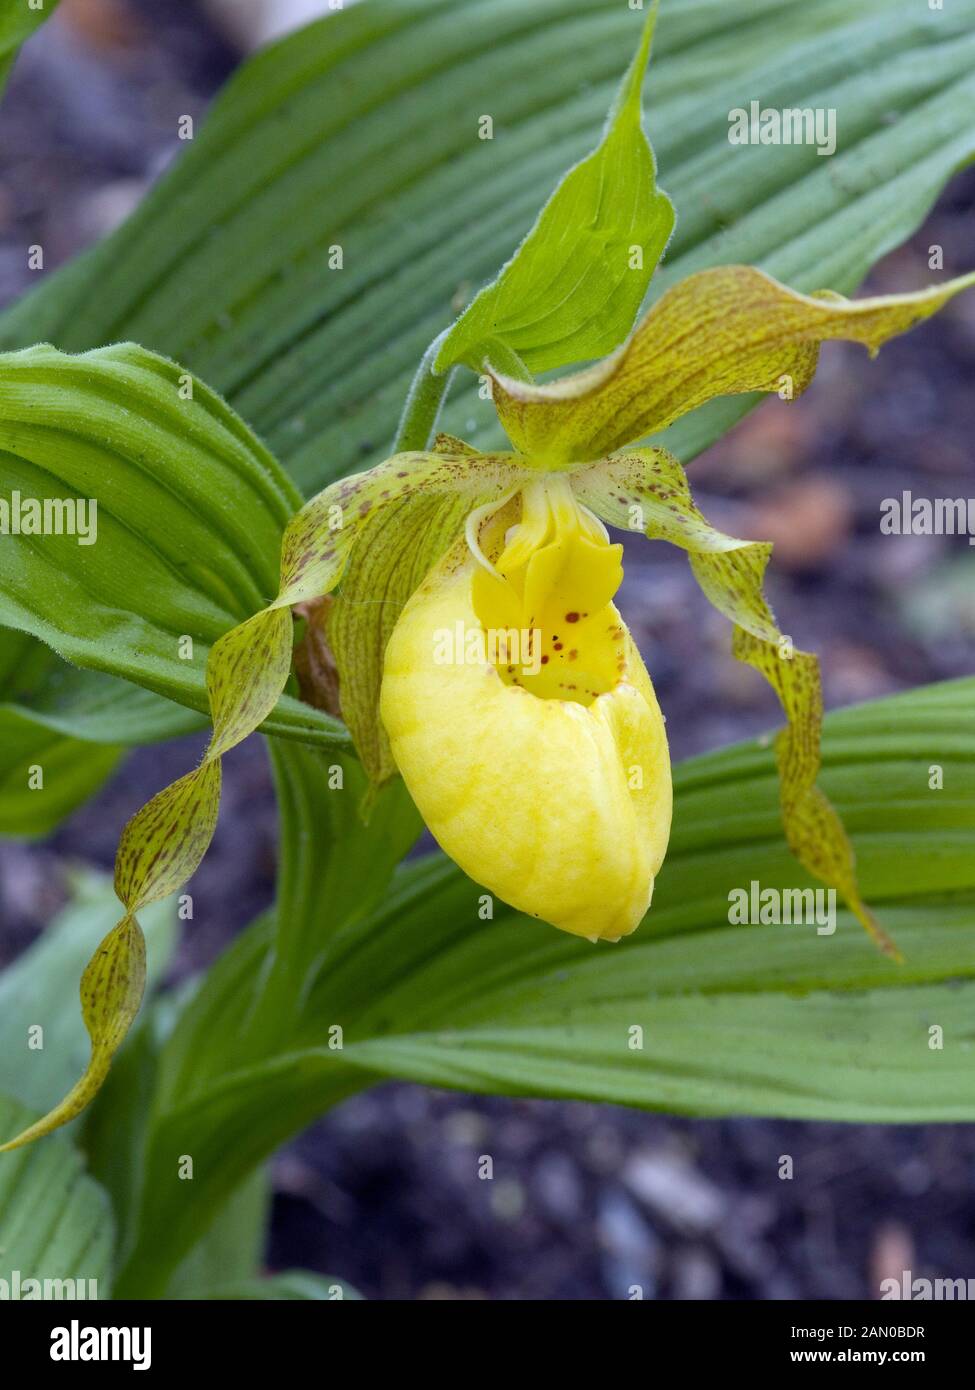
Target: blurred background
[[586, 1199]]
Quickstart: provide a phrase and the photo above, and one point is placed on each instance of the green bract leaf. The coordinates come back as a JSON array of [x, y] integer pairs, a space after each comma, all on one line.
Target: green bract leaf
[[56, 1224], [573, 287]]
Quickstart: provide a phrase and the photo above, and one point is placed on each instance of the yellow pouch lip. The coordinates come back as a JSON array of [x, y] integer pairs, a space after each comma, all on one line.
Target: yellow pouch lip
[[530, 796]]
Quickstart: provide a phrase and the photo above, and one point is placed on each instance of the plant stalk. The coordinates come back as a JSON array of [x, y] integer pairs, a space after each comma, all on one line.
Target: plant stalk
[[423, 402]]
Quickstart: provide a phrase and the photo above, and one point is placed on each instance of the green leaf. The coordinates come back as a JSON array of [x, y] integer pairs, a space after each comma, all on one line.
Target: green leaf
[[229, 1088], [71, 772], [55, 1221], [190, 510], [86, 705], [72, 769], [761, 1020], [225, 264], [72, 724], [18, 21], [230, 1254], [573, 287], [766, 1020]]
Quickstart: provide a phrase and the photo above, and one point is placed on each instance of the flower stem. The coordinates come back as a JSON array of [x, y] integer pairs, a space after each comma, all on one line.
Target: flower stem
[[426, 395]]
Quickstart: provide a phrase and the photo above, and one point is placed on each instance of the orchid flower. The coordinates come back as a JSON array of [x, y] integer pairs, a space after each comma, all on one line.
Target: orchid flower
[[545, 772], [479, 652]]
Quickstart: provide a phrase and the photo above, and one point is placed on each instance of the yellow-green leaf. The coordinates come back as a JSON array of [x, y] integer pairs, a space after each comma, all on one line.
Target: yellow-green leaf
[[111, 992], [17, 22], [163, 843], [717, 333], [647, 490]]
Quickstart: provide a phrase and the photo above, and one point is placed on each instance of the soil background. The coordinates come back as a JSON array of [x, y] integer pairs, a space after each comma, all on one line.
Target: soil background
[[586, 1200]]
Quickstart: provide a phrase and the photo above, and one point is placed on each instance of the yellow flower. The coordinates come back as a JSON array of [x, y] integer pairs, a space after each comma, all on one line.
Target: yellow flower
[[537, 755], [536, 752], [556, 799], [544, 771]]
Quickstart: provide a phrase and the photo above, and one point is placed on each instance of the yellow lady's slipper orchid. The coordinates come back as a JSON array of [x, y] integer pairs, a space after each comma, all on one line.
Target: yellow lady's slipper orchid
[[479, 651], [536, 754], [557, 798]]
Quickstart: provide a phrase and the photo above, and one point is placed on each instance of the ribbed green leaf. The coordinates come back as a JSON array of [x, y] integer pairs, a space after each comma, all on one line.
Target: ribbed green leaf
[[45, 776], [186, 538], [763, 1020], [292, 1285], [86, 705], [71, 723], [753, 1019], [45, 772], [230, 1255], [225, 265], [55, 1221]]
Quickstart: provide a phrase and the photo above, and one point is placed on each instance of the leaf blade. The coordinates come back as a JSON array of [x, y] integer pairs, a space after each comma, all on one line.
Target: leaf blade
[[573, 287]]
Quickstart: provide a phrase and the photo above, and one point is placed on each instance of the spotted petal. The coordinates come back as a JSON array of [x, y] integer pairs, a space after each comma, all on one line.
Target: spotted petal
[[719, 332], [647, 490], [397, 546]]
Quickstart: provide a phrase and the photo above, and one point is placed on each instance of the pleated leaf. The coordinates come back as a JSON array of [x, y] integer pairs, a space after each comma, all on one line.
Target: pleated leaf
[[184, 508], [56, 1223], [771, 1020]]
